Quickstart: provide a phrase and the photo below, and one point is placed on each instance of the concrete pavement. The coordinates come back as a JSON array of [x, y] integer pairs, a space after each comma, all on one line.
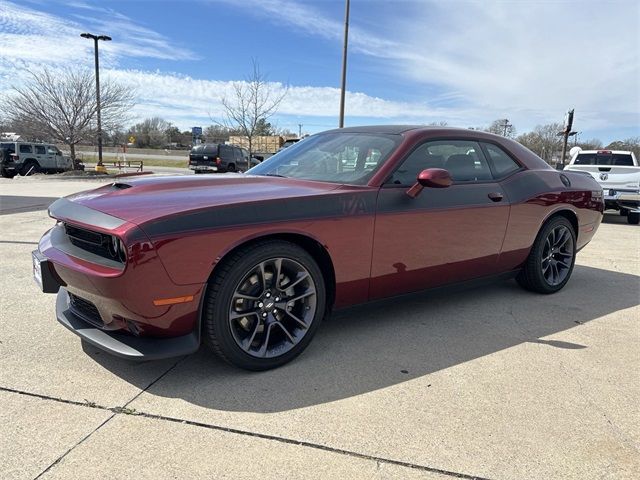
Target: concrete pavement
[[492, 382]]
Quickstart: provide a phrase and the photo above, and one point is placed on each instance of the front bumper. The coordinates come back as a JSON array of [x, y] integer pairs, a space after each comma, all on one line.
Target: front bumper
[[124, 345], [629, 200]]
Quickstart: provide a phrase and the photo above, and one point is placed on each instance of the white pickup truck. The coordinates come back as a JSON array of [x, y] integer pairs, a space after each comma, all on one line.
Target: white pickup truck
[[618, 172]]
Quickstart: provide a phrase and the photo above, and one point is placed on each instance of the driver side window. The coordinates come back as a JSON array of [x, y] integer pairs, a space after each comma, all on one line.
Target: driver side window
[[420, 159], [463, 159]]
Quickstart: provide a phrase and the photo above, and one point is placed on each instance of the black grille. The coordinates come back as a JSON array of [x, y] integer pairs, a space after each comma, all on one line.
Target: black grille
[[94, 242], [85, 310]]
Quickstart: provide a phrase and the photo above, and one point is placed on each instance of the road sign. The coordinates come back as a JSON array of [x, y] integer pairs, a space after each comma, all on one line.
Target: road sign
[[132, 139], [196, 131]]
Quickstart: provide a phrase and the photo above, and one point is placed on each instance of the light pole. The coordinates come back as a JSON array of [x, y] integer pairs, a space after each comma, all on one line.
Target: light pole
[[344, 63], [95, 39]]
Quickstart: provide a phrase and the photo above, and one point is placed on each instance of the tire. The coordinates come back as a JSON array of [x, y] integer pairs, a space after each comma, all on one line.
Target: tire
[[551, 260], [624, 212], [6, 173], [633, 218], [280, 321], [29, 168], [231, 168]]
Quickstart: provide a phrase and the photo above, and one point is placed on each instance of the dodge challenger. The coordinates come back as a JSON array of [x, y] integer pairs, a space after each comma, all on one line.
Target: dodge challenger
[[251, 263]]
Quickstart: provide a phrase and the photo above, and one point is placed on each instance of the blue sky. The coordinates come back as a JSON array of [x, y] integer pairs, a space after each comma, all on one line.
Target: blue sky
[[464, 62]]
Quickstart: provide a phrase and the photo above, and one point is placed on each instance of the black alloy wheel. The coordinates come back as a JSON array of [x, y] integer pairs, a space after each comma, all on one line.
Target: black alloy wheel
[[557, 255], [552, 258], [264, 305], [272, 307]]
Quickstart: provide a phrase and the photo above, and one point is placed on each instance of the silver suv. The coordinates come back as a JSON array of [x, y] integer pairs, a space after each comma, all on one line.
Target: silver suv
[[27, 158]]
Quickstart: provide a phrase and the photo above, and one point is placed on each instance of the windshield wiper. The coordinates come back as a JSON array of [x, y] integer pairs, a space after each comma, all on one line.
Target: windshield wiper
[[272, 175]]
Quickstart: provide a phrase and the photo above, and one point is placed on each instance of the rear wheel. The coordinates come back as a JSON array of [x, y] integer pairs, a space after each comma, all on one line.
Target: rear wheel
[[6, 173], [633, 218], [29, 168], [231, 168], [552, 257], [264, 305]]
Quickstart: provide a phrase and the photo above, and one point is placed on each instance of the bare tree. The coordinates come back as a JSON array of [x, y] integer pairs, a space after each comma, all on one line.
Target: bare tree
[[60, 106], [502, 127], [632, 144], [254, 100], [544, 140], [151, 132]]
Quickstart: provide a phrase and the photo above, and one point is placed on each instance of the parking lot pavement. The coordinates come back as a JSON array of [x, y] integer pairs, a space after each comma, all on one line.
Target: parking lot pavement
[[492, 382]]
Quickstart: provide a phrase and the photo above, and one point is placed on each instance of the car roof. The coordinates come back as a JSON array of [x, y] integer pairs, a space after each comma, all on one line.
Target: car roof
[[602, 150], [388, 129]]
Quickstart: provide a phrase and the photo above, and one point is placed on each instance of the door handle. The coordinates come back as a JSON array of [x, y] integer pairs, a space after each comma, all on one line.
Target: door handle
[[495, 196]]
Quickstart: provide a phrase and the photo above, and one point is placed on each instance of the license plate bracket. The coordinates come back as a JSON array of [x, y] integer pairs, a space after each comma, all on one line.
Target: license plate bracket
[[42, 273]]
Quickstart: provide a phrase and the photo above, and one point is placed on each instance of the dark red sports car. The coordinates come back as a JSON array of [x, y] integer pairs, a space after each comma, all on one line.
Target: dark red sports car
[[251, 263]]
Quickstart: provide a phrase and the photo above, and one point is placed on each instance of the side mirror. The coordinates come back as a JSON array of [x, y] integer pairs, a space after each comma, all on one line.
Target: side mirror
[[431, 178]]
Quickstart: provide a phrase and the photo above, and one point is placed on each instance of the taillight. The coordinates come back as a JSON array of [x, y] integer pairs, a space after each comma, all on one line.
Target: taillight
[[218, 160]]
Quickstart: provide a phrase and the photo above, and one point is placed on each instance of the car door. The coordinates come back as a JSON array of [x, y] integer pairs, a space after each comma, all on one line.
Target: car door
[[44, 160], [62, 162], [444, 235]]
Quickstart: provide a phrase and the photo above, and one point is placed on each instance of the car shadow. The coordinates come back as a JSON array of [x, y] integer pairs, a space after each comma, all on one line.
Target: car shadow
[[615, 218], [380, 345], [10, 204]]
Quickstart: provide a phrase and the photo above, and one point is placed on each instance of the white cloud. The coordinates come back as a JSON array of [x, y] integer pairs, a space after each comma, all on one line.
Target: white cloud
[[471, 61], [529, 60], [29, 36], [184, 99], [308, 19]]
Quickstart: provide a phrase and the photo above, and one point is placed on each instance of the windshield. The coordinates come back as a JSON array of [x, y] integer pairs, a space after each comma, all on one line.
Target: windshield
[[350, 158], [608, 158]]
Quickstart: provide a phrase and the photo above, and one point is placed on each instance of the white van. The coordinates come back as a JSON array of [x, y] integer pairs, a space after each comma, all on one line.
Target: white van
[[27, 158]]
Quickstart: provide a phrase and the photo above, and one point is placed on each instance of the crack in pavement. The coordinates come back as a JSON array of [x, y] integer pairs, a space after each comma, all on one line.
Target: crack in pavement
[[126, 411], [18, 242], [114, 411]]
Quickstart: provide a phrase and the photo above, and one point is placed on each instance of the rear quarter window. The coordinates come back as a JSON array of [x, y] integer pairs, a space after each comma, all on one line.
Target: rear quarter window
[[25, 148], [501, 162]]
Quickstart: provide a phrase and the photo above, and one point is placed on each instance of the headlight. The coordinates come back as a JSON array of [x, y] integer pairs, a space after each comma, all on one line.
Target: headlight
[[117, 249]]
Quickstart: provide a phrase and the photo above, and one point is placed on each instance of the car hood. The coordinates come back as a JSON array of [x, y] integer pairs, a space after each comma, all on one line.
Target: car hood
[[145, 199]]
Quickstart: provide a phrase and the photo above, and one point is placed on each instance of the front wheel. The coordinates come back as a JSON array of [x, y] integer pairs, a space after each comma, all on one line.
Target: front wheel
[[552, 257], [264, 305], [633, 218]]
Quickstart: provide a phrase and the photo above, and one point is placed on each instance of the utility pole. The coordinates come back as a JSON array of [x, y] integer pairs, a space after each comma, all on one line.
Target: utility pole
[[344, 63], [506, 125], [566, 133], [95, 38]]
